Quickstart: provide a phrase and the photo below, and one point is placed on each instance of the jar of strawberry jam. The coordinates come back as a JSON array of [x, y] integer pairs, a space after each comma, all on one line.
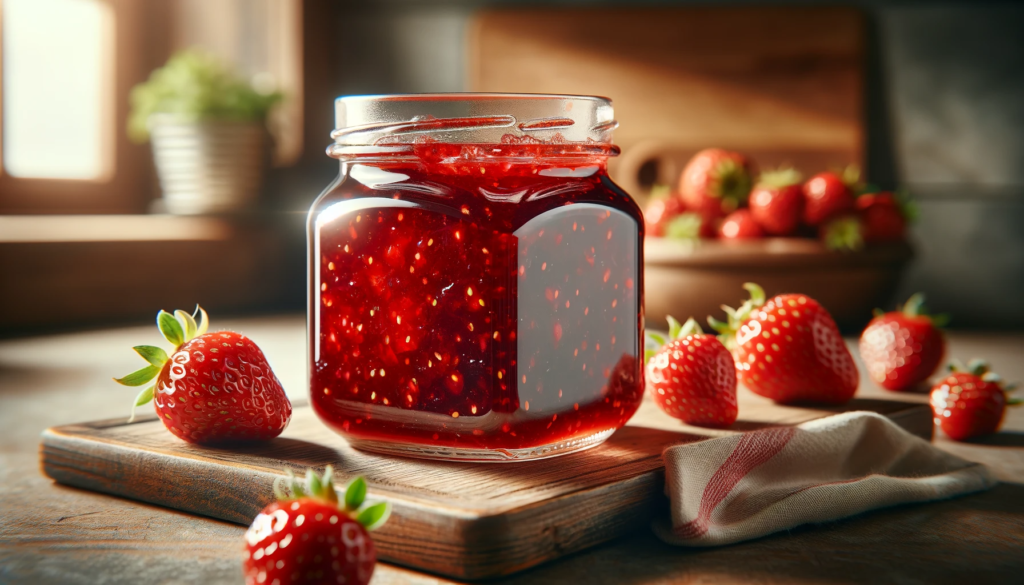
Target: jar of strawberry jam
[[475, 278]]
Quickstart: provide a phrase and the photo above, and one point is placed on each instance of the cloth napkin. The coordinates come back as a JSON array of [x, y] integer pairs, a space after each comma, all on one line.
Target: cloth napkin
[[740, 487]]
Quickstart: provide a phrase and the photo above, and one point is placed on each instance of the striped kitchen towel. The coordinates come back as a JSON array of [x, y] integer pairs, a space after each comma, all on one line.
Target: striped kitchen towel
[[740, 487]]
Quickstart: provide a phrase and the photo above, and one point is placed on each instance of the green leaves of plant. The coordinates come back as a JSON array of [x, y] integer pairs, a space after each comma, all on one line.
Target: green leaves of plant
[[196, 86], [152, 354], [373, 517], [139, 377], [355, 495], [170, 328]]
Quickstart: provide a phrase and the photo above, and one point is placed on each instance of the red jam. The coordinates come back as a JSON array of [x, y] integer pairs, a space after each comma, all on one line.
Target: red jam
[[475, 297]]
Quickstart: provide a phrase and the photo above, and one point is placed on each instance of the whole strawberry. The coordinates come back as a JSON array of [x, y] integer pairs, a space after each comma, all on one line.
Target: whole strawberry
[[659, 212], [969, 402], [828, 195], [715, 182], [740, 225], [777, 202], [307, 537], [788, 349], [214, 387], [692, 377], [903, 348], [883, 218]]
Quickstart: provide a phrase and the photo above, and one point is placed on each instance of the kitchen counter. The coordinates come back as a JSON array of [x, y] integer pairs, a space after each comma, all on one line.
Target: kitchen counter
[[57, 534]]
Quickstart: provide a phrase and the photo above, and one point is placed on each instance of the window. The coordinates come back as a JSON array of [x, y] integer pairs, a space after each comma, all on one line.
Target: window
[[57, 84], [67, 68]]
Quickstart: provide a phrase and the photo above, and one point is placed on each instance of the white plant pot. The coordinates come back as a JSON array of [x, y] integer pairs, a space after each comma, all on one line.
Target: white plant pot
[[209, 166]]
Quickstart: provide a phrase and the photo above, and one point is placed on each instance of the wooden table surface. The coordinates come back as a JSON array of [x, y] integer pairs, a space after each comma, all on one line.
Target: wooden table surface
[[55, 534]]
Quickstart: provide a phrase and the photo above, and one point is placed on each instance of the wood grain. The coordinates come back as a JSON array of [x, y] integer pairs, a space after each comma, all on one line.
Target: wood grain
[[784, 84], [463, 520]]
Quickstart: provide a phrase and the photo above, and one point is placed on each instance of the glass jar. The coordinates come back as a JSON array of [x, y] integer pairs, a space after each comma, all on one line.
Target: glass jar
[[476, 290]]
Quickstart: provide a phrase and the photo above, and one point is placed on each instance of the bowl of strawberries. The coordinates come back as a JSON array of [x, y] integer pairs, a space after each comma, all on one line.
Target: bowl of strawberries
[[724, 224]]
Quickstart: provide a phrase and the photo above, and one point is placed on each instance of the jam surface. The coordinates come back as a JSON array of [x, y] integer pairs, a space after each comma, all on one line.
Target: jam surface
[[463, 299]]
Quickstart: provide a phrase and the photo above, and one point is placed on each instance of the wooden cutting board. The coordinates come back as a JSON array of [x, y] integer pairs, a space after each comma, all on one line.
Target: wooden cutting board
[[463, 520]]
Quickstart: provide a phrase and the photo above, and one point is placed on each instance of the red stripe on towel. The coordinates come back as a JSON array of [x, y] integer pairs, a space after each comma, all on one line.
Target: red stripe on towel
[[752, 450]]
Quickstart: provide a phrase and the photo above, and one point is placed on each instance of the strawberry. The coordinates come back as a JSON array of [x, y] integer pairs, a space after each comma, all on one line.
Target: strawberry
[[214, 387], [692, 377], [660, 211], [311, 538], [715, 182], [883, 217], [970, 402], [788, 349], [827, 195], [740, 225], [903, 348], [777, 202]]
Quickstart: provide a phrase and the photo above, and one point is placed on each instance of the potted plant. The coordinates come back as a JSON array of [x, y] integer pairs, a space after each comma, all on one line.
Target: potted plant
[[209, 133]]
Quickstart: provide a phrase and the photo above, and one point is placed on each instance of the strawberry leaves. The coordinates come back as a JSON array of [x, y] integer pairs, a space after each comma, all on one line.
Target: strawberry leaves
[[188, 322], [170, 328], [152, 354], [655, 341], [355, 494], [736, 317], [674, 327], [142, 398], [371, 516], [177, 329], [139, 377]]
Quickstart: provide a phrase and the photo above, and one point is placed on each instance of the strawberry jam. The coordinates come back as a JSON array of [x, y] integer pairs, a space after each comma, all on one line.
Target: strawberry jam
[[475, 300]]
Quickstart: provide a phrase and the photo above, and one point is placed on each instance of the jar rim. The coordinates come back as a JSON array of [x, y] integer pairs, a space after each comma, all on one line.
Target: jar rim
[[390, 121]]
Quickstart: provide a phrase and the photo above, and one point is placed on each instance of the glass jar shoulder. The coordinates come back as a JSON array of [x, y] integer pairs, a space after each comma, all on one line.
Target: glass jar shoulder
[[500, 196]]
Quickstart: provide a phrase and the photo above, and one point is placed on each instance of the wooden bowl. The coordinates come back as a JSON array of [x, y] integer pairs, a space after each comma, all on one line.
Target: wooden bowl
[[684, 280]]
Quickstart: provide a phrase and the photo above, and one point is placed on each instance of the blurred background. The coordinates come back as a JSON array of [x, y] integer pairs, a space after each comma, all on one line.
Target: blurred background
[[99, 227]]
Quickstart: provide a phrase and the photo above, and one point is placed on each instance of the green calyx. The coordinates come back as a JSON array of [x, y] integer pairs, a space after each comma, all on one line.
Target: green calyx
[[371, 516], [844, 235], [732, 184], [779, 178], [685, 226], [852, 178], [915, 307], [735, 318], [676, 330], [177, 329], [980, 368]]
